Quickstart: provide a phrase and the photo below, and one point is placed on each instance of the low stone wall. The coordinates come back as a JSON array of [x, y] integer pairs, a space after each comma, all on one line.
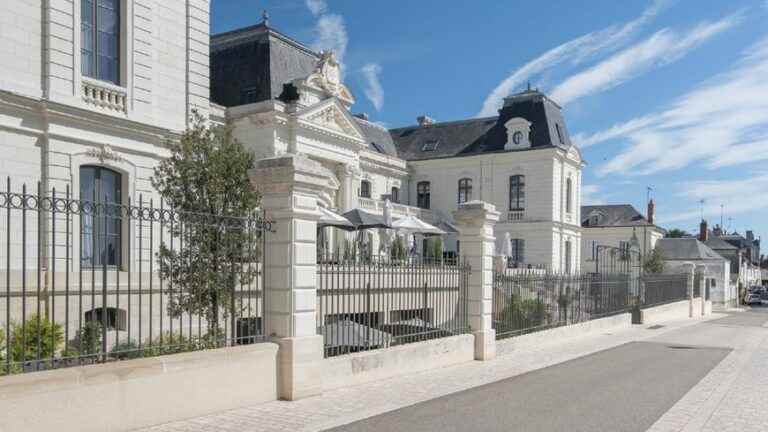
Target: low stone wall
[[127, 395], [666, 312], [559, 334], [357, 368]]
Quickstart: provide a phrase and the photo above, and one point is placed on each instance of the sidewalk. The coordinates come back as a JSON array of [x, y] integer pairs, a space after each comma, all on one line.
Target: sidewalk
[[732, 396], [355, 403]]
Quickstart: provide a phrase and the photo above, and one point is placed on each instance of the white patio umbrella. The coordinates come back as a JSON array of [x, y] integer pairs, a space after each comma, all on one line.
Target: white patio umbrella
[[385, 234], [506, 248], [414, 225]]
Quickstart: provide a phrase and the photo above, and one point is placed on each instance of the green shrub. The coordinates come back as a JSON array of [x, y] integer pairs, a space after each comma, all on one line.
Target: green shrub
[[435, 248], [523, 314], [398, 251], [87, 340], [2, 344], [37, 339]]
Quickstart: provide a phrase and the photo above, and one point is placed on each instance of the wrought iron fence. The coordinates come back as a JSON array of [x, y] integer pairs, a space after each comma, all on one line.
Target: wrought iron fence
[[661, 289], [380, 302], [535, 301], [90, 280], [617, 260]]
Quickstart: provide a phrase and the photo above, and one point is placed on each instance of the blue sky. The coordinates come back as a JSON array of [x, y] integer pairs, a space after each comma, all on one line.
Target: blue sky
[[671, 94]]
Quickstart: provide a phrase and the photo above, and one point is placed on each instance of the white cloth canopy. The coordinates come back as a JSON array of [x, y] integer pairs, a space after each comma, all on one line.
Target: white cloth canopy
[[412, 224], [329, 218]]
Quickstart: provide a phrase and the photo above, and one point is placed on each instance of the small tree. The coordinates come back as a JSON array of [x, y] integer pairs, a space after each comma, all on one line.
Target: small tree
[[654, 262], [87, 340], [435, 248], [205, 180], [677, 233]]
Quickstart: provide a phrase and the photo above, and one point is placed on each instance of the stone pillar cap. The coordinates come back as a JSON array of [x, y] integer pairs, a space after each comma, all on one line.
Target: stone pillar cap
[[472, 210]]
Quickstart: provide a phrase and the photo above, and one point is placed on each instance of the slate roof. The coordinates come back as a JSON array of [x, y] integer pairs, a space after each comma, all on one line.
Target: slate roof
[[618, 215], [484, 135], [716, 243], [378, 138], [257, 60], [686, 249]]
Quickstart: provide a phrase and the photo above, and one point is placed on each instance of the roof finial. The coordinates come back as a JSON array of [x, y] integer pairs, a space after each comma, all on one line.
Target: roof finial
[[265, 17], [529, 85]]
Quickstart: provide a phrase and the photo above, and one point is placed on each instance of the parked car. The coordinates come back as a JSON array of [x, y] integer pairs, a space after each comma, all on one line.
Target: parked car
[[752, 298]]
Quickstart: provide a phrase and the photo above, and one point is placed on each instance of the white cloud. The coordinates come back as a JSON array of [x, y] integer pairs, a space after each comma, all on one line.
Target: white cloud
[[661, 48], [331, 34], [715, 118], [737, 196], [591, 195], [317, 7], [373, 89], [574, 52]]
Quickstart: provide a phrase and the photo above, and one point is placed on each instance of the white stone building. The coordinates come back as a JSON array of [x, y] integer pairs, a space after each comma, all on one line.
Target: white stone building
[[617, 226], [284, 98], [90, 91]]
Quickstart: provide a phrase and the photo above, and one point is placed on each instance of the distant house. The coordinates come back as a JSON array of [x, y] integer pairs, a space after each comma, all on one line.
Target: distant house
[[739, 250], [616, 225], [678, 252]]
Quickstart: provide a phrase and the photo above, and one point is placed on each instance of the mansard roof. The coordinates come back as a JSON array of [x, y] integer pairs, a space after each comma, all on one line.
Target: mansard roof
[[616, 215], [717, 243], [485, 135], [252, 64], [378, 138]]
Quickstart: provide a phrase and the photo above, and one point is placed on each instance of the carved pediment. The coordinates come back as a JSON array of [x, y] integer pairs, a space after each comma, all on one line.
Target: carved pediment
[[334, 117]]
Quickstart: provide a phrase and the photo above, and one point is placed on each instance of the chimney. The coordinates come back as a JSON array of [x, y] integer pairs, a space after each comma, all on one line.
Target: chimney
[[425, 120], [703, 231], [750, 236], [651, 211], [717, 231]]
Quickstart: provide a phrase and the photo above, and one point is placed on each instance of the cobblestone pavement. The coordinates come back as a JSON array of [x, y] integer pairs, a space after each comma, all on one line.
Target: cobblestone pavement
[[346, 405], [732, 396]]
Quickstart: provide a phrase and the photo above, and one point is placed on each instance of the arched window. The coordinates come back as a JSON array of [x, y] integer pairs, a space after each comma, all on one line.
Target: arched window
[[422, 194], [100, 42], [395, 195], [101, 228], [365, 189], [517, 193], [568, 195], [465, 190]]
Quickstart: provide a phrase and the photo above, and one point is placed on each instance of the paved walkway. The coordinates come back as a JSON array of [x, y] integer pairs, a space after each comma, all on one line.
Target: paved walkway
[[732, 397], [348, 405]]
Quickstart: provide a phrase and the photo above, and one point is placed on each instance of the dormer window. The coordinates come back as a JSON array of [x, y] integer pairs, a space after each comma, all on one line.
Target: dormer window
[[594, 219], [377, 147], [430, 146], [518, 134]]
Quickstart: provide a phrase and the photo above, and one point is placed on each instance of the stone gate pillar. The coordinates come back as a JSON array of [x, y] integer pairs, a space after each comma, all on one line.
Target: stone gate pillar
[[289, 186], [690, 271], [475, 221], [701, 272]]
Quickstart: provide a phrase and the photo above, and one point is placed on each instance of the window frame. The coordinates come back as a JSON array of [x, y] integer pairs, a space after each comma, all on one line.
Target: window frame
[[365, 189], [517, 204], [464, 190], [98, 222], [94, 70], [517, 246], [423, 194], [569, 195], [394, 195]]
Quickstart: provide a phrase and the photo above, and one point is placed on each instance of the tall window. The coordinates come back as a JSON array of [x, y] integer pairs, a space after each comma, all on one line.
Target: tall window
[[365, 189], [101, 227], [568, 195], [395, 195], [517, 192], [568, 256], [465, 190], [517, 251], [100, 39], [422, 194]]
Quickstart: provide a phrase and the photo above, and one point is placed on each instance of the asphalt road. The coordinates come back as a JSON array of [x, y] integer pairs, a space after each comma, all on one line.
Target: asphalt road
[[626, 388]]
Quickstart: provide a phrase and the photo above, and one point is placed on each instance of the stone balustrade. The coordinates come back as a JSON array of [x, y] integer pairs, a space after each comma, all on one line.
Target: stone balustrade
[[398, 210], [104, 95]]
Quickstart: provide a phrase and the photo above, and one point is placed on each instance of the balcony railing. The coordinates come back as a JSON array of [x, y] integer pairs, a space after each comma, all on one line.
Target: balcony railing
[[104, 95], [515, 215], [377, 206]]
